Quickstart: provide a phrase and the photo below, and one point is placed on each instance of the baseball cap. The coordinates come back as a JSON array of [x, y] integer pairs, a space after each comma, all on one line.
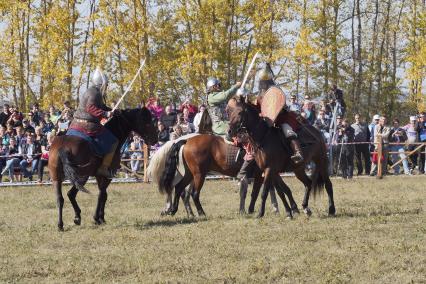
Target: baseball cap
[[413, 117], [376, 116]]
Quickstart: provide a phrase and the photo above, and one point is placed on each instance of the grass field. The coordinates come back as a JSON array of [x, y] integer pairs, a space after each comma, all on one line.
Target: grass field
[[378, 236]]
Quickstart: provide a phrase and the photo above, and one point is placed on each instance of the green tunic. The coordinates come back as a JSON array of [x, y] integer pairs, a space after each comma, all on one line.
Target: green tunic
[[217, 109]]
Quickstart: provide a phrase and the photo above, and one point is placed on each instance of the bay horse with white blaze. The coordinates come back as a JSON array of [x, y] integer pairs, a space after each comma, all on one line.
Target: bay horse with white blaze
[[72, 157], [273, 156]]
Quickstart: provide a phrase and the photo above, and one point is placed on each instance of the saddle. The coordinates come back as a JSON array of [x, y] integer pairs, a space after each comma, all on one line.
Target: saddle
[[93, 145]]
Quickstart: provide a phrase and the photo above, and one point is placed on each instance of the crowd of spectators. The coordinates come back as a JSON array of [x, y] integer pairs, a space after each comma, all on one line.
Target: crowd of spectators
[[25, 139]]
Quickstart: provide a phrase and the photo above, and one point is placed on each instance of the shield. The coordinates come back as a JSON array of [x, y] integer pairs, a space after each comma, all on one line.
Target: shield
[[273, 102]]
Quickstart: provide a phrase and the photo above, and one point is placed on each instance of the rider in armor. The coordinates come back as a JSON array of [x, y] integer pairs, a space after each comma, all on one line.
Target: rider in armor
[[87, 119], [286, 119], [216, 101]]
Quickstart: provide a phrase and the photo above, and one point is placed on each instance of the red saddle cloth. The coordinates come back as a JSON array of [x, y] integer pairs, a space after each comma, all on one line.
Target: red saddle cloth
[[290, 118]]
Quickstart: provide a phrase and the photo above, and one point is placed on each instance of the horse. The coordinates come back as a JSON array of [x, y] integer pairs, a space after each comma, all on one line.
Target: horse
[[200, 155], [273, 156], [72, 157]]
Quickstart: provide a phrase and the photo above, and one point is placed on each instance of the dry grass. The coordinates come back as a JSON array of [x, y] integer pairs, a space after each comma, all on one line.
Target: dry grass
[[378, 236]]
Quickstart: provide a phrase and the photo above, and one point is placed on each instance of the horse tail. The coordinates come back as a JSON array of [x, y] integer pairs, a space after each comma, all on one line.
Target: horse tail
[[70, 170], [321, 169], [157, 162], [166, 180]]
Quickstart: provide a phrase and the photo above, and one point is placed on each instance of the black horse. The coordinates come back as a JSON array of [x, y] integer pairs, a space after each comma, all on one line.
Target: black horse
[[72, 157], [272, 155]]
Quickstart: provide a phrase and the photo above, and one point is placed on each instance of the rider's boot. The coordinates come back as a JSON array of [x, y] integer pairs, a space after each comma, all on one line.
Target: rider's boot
[[297, 157], [104, 170]]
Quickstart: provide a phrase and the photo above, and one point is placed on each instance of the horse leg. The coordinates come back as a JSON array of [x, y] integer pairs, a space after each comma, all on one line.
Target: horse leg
[[257, 184], [243, 194], [72, 193], [301, 175], [186, 201], [168, 207], [274, 201], [198, 184], [281, 184], [281, 194], [267, 184], [329, 189], [60, 202], [179, 190], [104, 200], [103, 183]]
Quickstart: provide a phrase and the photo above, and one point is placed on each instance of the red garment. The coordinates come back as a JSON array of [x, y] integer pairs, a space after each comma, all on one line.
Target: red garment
[[288, 117], [96, 111]]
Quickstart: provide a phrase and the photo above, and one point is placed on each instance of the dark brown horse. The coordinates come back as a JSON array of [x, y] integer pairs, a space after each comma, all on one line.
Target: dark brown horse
[[73, 157], [200, 155], [273, 156]]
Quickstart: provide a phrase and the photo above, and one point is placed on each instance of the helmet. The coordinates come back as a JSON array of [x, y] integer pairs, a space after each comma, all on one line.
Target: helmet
[[211, 82], [242, 92], [265, 75], [100, 79]]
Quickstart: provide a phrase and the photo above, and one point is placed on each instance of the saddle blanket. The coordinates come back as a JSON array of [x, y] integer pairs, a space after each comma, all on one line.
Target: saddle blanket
[[100, 144]]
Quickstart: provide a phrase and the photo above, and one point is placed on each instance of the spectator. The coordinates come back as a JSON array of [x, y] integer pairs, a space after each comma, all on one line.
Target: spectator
[[155, 108], [163, 134], [5, 115], [309, 109], [30, 152], [325, 106], [294, 105], [186, 126], [168, 118], [15, 119], [398, 135], [421, 131], [20, 135], [4, 137], [137, 154], [3, 158], [64, 122], [345, 134], [371, 127], [177, 132], [27, 127], [337, 96], [45, 147], [362, 151], [411, 131], [382, 130], [192, 110], [46, 124], [37, 115], [67, 109], [53, 115], [39, 135], [30, 117], [12, 158], [9, 130], [197, 118], [323, 124]]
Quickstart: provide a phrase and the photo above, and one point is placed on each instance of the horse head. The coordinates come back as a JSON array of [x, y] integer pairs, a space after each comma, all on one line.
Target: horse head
[[138, 120], [243, 116]]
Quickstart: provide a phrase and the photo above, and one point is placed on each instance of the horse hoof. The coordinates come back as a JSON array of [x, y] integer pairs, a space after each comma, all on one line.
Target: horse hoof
[[97, 221], [243, 212], [77, 221], [307, 211], [332, 212], [259, 216], [295, 211], [289, 217], [60, 228]]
